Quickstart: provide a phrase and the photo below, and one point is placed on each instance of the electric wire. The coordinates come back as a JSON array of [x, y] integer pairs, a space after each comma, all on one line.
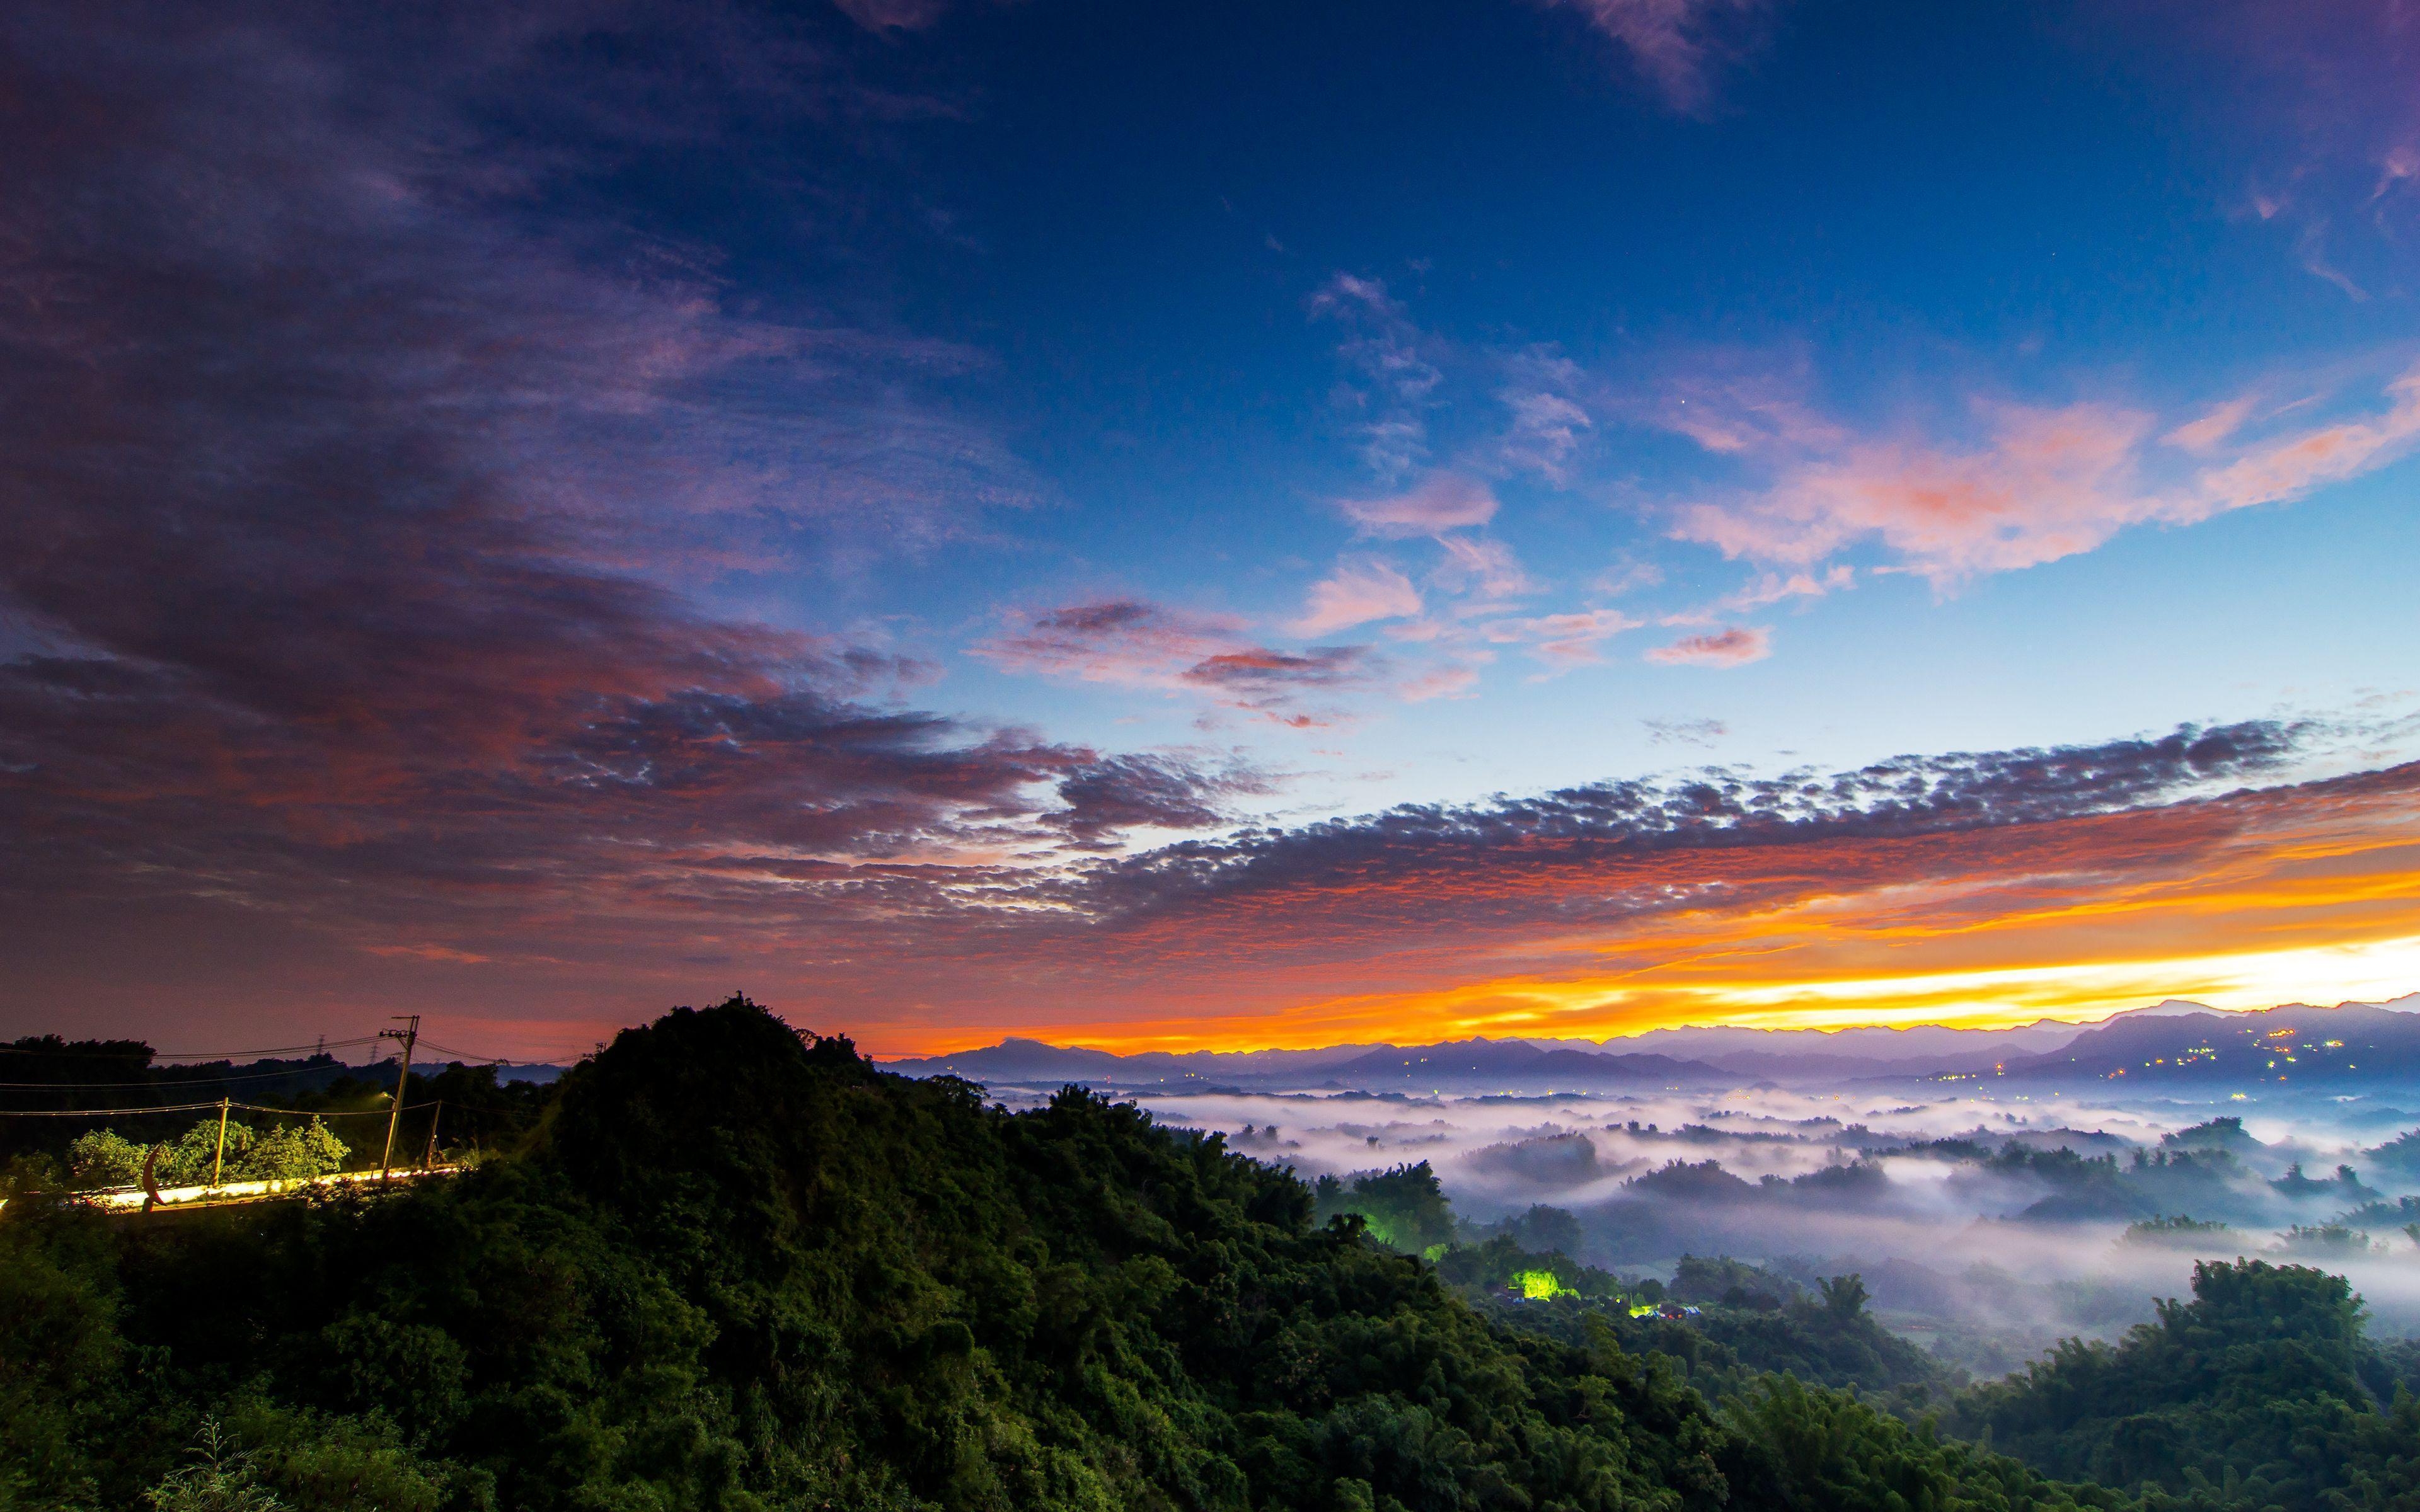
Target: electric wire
[[180, 1081], [214, 1106], [260, 1054]]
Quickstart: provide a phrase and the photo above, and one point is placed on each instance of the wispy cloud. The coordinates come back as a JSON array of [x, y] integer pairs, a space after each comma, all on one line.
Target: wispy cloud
[[1483, 565], [2041, 484], [1357, 591], [1675, 45], [1550, 422], [1684, 731], [1565, 640], [2314, 105], [1134, 644], [1273, 682], [1733, 646], [1129, 641], [1393, 384], [1446, 501]]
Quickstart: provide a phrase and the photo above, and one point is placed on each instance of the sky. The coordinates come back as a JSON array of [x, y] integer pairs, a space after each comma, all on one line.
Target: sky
[[1167, 524]]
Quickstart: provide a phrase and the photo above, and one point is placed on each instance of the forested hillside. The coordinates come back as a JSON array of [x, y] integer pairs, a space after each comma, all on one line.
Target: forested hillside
[[737, 1268], [2261, 1391]]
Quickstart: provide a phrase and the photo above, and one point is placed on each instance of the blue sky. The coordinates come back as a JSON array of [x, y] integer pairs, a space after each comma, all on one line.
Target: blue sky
[[1887, 218]]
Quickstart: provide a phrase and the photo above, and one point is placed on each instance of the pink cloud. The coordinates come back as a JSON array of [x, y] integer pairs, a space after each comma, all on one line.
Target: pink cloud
[[2217, 424], [2051, 483], [1268, 681], [1125, 641], [1439, 682], [1740, 404], [1357, 592], [1486, 565], [1730, 647], [1769, 589], [1566, 639], [1134, 644], [1675, 44], [2043, 483], [2290, 466], [1446, 501]]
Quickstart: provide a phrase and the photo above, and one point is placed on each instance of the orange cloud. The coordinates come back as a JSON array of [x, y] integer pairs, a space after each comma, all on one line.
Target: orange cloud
[[2241, 899]]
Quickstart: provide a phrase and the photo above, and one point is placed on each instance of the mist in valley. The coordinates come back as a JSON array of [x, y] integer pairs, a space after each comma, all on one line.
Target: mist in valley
[[1985, 1227]]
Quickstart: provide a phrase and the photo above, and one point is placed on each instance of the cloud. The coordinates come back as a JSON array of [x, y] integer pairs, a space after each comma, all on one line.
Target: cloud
[[1125, 642], [2204, 433], [1774, 588], [1550, 422], [1984, 885], [1497, 849], [2317, 107], [1134, 644], [892, 15], [1394, 384], [1684, 731], [1567, 640], [366, 495], [1676, 44], [1730, 647], [2051, 483], [2287, 466], [1357, 592], [2043, 484], [1445, 501], [1271, 681], [1476, 564], [1106, 798], [1451, 681]]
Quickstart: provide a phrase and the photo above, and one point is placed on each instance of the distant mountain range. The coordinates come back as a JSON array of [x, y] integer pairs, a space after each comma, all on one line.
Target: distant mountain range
[[2175, 1044], [1466, 1066], [2292, 1045]]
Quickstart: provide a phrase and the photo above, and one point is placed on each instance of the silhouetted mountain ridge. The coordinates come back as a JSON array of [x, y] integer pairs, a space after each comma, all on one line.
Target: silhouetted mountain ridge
[[2172, 1040]]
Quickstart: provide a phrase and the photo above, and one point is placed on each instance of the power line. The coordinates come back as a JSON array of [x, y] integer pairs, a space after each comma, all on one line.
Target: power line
[[261, 1054], [213, 1103], [468, 1059], [183, 1081], [105, 1113]]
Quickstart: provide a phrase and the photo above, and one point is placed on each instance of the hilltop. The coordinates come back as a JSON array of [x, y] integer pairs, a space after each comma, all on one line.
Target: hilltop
[[737, 1268]]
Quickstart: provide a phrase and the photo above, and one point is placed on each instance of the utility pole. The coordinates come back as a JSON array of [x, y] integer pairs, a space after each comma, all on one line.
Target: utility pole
[[429, 1160], [409, 1035], [218, 1161]]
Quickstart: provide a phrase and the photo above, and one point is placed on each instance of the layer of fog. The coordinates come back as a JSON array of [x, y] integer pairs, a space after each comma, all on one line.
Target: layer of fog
[[1994, 1256]]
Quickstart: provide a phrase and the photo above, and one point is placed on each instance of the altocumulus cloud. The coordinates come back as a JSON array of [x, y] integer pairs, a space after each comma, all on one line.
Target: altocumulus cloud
[[354, 507]]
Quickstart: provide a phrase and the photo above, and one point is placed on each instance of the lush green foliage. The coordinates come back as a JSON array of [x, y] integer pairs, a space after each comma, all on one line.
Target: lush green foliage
[[290, 1153], [1402, 1208], [464, 1108], [2259, 1392], [736, 1270], [1749, 1323]]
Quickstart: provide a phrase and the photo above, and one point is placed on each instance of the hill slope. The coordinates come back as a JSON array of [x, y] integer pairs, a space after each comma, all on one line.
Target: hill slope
[[740, 1270], [2294, 1046]]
